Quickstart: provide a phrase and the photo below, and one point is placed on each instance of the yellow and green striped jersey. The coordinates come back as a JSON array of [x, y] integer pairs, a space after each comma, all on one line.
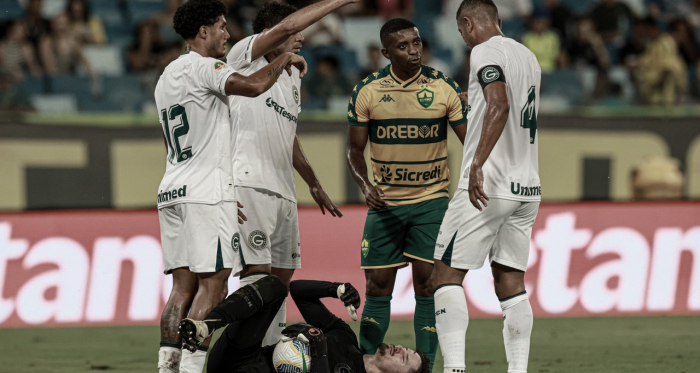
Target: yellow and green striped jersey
[[407, 123]]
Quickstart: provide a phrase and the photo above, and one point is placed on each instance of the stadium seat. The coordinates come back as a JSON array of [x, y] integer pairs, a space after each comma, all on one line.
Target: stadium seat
[[31, 86], [448, 37], [361, 32], [562, 83], [346, 58], [513, 28], [105, 60], [10, 10], [139, 10], [54, 103], [578, 7], [121, 35], [108, 11]]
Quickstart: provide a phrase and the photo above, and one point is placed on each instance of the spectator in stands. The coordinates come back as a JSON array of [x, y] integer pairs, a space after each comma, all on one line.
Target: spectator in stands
[[89, 29], [661, 74], [234, 21], [62, 51], [391, 8], [691, 12], [612, 20], [17, 55], [35, 24], [509, 9], [462, 77], [326, 32], [680, 31], [436, 63], [561, 19], [635, 46], [590, 57], [374, 61], [154, 35], [543, 41], [326, 81]]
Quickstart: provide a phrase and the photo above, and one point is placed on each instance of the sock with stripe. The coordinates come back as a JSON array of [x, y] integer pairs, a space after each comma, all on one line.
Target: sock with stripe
[[451, 322], [169, 357], [424, 326], [194, 362], [375, 322], [517, 328], [274, 332]]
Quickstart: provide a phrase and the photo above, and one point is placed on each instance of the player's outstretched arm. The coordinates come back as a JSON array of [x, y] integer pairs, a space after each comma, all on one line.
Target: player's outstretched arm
[[495, 118], [301, 164], [295, 22], [259, 82], [357, 141]]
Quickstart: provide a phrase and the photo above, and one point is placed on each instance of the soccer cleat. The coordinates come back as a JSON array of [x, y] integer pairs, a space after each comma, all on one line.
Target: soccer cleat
[[193, 333], [350, 308]]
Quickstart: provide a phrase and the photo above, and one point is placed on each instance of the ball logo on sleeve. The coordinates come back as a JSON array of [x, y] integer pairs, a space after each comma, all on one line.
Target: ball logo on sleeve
[[490, 74], [236, 242], [257, 240]]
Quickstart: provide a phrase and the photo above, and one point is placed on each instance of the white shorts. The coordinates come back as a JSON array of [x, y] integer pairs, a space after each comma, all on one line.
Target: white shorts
[[502, 231], [271, 234], [199, 236]]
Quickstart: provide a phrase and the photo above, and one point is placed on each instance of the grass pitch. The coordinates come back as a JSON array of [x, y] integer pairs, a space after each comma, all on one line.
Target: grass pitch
[[630, 344]]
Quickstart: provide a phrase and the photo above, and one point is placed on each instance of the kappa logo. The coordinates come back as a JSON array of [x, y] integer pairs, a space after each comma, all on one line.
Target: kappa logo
[[370, 320], [430, 329], [236, 242], [257, 240], [490, 74], [387, 98]]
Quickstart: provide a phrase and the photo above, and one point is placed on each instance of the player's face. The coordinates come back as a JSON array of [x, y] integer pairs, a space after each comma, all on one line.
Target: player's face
[[218, 35], [405, 49], [292, 44], [396, 359]]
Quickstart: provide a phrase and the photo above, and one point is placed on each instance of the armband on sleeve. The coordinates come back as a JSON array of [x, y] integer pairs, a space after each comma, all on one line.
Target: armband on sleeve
[[489, 74]]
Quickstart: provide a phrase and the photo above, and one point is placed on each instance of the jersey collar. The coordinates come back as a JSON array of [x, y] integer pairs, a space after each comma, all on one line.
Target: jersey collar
[[407, 82]]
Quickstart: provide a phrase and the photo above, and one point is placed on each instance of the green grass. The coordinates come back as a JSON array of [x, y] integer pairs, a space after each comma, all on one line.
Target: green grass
[[630, 344]]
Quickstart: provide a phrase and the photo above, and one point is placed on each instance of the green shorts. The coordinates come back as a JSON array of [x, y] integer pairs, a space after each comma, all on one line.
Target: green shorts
[[397, 234]]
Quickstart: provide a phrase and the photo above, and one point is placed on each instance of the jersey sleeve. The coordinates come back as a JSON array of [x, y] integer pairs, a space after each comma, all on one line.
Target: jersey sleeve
[[456, 110], [213, 74], [488, 64], [240, 56], [358, 107]]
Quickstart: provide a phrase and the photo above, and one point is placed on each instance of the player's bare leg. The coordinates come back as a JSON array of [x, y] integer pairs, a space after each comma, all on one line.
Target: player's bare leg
[[451, 314], [509, 284], [181, 296], [377, 311], [209, 294], [424, 315]]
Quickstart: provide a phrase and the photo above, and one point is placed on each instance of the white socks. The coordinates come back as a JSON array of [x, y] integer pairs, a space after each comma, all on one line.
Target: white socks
[[169, 359], [517, 327], [193, 362], [274, 332], [451, 322]]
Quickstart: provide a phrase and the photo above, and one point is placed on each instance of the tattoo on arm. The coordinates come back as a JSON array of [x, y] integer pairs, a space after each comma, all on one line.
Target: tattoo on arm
[[276, 71]]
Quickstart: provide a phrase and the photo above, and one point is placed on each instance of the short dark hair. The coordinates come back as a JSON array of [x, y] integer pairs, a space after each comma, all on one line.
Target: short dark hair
[[478, 7], [271, 14], [195, 14], [392, 26], [424, 362]]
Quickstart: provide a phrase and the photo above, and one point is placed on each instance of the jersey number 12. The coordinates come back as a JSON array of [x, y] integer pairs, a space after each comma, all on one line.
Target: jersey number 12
[[528, 116], [173, 137]]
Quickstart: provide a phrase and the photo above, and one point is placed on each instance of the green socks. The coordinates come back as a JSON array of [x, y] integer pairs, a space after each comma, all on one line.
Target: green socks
[[424, 326], [375, 322]]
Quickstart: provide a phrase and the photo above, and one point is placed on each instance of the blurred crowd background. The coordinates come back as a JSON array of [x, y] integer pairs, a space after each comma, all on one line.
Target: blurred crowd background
[[106, 55]]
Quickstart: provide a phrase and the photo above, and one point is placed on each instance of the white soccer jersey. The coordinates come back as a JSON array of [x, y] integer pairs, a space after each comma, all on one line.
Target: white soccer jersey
[[193, 109], [511, 170], [265, 127]]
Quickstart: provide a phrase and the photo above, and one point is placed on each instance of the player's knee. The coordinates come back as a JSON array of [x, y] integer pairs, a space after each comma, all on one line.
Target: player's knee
[[379, 288], [271, 287]]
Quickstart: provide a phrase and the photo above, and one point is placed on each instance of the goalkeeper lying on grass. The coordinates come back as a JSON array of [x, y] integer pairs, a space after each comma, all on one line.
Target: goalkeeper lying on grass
[[249, 311]]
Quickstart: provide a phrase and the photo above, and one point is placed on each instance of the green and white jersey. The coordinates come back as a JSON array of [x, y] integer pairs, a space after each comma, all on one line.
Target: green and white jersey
[[511, 170], [264, 127], [194, 116]]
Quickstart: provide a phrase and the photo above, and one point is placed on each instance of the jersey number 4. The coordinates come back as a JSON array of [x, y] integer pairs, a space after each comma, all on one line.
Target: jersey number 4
[[528, 116], [173, 136]]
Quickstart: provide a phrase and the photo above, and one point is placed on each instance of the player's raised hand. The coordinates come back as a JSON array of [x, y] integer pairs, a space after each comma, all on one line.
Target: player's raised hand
[[324, 202], [476, 187], [375, 198], [241, 216], [300, 63]]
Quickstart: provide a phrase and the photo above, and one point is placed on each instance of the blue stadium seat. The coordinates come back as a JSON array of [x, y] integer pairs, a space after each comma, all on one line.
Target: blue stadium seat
[[141, 10], [513, 28], [578, 7], [10, 10], [562, 83], [77, 85], [108, 11], [121, 35], [31, 86], [347, 58]]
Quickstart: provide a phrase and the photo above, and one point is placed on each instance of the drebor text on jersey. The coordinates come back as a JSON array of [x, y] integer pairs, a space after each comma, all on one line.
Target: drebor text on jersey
[[172, 194]]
